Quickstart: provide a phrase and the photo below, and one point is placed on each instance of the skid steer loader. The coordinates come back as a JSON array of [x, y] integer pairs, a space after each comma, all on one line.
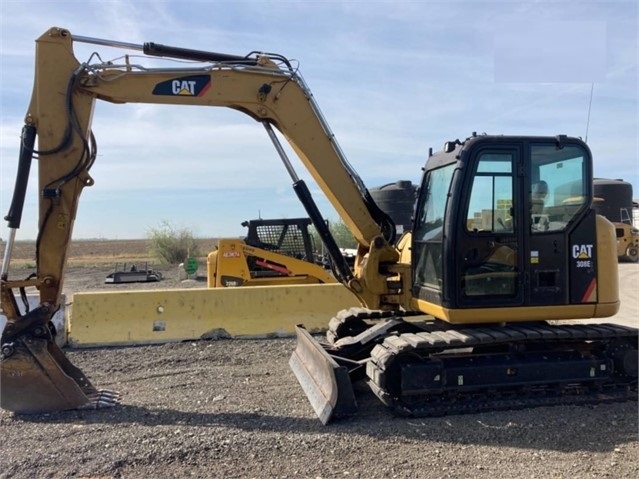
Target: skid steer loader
[[275, 251]]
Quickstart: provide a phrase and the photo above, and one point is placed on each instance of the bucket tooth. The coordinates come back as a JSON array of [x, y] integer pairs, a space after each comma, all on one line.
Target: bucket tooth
[[326, 384]]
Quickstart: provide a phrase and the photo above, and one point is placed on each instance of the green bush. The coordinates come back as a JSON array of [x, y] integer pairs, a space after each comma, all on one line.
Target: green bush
[[171, 245], [342, 235]]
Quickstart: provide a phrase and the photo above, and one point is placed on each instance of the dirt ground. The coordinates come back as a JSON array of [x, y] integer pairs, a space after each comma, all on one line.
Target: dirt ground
[[233, 409]]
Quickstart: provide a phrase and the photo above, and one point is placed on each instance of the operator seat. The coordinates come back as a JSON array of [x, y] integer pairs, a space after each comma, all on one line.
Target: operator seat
[[538, 194]]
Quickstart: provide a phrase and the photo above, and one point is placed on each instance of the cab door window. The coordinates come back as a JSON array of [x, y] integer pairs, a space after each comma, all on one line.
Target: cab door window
[[428, 233], [491, 199], [489, 245]]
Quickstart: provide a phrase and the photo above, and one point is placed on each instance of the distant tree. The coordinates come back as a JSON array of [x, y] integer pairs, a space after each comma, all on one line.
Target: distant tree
[[343, 237], [172, 245]]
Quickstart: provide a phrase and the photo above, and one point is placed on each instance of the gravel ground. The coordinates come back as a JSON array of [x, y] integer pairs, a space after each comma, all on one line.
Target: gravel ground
[[233, 408]]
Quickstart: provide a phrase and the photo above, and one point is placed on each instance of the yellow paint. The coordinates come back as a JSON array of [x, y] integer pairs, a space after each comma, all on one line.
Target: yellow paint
[[519, 313], [158, 316]]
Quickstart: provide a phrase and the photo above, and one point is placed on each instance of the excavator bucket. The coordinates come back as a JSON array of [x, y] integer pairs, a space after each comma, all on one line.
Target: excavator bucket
[[36, 377], [326, 384]]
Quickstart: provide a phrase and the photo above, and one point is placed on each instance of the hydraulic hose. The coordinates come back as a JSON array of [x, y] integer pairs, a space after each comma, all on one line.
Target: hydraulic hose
[[14, 217]]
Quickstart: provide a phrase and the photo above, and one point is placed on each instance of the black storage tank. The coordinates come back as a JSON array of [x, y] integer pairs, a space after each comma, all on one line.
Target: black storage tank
[[397, 200], [613, 199]]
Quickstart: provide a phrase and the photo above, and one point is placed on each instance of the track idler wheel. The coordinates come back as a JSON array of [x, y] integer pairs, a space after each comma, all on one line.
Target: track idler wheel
[[625, 358]]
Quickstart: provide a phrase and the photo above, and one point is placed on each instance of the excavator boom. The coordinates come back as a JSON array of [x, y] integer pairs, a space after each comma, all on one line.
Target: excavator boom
[[263, 86]]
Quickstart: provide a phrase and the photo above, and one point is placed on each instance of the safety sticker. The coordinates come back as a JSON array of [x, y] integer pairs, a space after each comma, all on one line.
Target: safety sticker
[[534, 257]]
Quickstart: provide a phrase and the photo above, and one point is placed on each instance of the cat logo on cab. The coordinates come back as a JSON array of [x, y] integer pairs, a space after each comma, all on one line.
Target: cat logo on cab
[[583, 254]]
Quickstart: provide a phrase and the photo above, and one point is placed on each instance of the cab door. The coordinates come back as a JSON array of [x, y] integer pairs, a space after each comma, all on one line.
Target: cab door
[[489, 233]]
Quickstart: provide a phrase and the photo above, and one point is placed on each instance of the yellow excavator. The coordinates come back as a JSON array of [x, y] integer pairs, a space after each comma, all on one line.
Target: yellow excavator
[[468, 320]]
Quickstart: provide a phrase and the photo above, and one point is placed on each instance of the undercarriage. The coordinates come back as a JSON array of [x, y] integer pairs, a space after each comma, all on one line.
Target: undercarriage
[[433, 368]]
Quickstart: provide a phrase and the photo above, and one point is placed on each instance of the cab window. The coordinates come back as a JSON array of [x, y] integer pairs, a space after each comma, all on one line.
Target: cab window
[[491, 198], [429, 227], [558, 191]]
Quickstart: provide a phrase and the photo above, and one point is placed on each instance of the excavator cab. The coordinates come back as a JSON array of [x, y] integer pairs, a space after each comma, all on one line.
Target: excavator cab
[[486, 241], [488, 249]]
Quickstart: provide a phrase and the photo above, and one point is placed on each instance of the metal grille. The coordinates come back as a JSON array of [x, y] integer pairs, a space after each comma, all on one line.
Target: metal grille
[[286, 236], [287, 239]]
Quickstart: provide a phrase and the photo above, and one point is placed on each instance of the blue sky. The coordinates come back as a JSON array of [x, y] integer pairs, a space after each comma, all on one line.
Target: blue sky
[[392, 79]]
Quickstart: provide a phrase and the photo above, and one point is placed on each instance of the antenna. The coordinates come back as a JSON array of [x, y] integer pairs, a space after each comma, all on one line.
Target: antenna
[[592, 87]]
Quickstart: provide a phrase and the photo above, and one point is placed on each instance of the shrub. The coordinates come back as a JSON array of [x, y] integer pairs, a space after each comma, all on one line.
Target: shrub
[[171, 245], [342, 235]]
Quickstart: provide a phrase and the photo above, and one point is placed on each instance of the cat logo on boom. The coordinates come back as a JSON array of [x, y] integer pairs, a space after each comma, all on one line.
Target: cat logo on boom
[[193, 85]]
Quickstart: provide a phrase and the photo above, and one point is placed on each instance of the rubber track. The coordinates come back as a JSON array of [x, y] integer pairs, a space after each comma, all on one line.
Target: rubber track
[[384, 355], [351, 322]]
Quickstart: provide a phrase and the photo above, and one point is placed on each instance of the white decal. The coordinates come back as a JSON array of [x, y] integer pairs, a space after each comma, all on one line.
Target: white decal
[[583, 254], [183, 87]]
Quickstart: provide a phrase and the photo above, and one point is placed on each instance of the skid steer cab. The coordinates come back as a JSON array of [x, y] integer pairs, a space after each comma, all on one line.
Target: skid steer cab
[[274, 252]]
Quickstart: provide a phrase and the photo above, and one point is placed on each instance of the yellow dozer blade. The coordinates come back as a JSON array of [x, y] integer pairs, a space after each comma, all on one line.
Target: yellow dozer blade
[[36, 376], [326, 384]]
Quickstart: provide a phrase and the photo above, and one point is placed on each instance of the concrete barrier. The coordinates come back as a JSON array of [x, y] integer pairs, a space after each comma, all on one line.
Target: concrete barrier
[[160, 316]]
